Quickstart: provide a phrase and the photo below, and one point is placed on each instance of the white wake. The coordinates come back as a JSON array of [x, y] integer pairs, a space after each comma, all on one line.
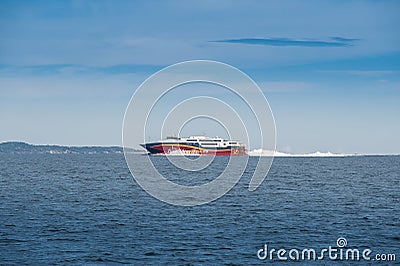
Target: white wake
[[260, 152]]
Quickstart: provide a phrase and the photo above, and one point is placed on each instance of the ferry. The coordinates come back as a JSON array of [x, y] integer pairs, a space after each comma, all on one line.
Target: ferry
[[195, 145]]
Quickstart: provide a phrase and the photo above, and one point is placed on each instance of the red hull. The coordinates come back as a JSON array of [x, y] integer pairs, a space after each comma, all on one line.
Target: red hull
[[190, 150]]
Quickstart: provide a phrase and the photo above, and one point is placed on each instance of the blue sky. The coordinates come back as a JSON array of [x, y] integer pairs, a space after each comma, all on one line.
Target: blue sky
[[330, 69]]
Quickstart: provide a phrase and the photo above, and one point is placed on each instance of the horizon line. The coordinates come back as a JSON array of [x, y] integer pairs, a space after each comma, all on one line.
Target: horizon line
[[255, 152]]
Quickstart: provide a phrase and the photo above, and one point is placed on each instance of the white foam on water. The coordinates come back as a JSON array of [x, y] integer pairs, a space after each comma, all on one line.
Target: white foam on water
[[260, 152]]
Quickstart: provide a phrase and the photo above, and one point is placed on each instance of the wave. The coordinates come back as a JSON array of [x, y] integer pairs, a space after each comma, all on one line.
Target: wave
[[260, 152]]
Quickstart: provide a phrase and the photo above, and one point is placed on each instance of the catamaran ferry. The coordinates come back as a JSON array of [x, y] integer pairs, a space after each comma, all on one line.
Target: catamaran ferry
[[196, 145]]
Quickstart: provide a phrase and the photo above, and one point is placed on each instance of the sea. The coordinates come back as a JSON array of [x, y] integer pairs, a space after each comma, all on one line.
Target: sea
[[87, 209]]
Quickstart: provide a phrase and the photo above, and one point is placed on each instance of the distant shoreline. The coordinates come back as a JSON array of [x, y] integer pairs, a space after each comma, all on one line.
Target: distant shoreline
[[19, 147], [16, 147]]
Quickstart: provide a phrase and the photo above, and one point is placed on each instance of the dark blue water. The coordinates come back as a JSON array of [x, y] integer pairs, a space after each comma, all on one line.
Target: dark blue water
[[87, 209]]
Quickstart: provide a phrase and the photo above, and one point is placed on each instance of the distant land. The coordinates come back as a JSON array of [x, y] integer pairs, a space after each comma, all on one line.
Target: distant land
[[14, 147], [19, 147]]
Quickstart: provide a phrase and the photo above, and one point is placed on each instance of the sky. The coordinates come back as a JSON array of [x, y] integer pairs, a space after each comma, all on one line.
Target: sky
[[329, 69]]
